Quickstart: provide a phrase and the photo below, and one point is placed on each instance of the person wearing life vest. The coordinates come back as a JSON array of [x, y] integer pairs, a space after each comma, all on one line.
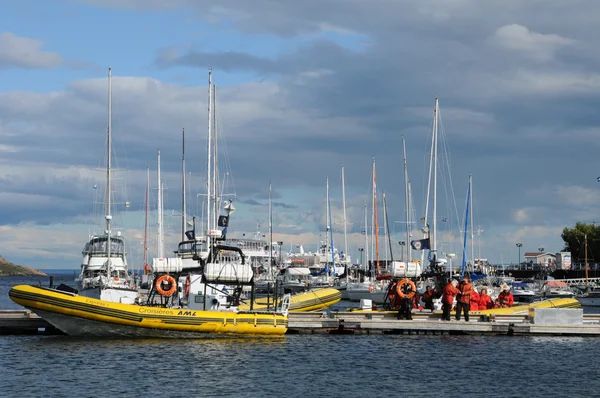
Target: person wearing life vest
[[505, 298], [427, 298], [474, 303], [463, 298], [406, 290], [485, 301], [450, 291]]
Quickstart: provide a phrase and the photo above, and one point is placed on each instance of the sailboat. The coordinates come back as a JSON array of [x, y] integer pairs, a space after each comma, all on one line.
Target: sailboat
[[104, 272], [185, 298], [372, 288], [591, 297]]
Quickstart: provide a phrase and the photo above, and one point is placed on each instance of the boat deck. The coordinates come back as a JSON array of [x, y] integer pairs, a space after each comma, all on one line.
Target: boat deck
[[22, 322]]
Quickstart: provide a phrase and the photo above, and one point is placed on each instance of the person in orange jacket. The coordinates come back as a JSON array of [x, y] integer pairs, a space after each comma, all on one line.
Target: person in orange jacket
[[406, 290], [427, 298], [463, 299], [474, 303], [485, 301], [450, 291], [505, 298]]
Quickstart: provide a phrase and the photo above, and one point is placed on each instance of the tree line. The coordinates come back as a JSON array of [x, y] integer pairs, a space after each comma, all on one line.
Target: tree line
[[575, 238]]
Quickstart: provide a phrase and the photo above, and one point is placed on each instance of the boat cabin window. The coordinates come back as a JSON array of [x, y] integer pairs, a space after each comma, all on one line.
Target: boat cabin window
[[99, 246]]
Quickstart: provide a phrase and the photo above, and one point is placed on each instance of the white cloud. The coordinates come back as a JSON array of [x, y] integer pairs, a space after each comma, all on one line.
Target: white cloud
[[541, 47], [24, 52]]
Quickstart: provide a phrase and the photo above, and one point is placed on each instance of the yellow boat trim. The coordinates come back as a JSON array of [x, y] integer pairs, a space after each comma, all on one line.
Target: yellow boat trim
[[312, 300], [184, 320]]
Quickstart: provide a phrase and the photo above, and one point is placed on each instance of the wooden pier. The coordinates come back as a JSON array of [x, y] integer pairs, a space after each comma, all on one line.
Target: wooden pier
[[24, 322], [386, 323]]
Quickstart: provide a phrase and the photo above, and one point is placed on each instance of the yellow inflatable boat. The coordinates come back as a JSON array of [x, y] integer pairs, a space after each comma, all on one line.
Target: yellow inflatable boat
[[83, 316]]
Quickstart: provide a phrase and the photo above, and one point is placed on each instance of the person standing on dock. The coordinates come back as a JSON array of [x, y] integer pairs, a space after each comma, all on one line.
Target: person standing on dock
[[450, 291], [406, 290], [463, 299]]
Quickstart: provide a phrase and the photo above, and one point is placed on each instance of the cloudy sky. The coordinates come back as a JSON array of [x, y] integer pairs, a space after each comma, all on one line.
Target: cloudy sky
[[302, 88]]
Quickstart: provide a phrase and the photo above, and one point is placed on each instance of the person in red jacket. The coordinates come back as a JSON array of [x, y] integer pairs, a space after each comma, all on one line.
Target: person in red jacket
[[474, 304], [463, 299], [485, 301], [427, 298], [505, 298], [450, 291]]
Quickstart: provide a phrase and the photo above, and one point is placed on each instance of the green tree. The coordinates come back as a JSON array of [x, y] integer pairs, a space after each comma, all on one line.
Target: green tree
[[574, 239]]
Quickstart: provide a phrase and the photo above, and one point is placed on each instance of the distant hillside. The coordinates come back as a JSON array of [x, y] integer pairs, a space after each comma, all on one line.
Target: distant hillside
[[9, 269]]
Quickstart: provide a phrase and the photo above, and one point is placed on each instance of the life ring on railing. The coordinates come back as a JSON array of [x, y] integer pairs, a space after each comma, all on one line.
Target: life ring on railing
[[186, 287], [400, 288], [169, 280], [330, 283], [371, 288]]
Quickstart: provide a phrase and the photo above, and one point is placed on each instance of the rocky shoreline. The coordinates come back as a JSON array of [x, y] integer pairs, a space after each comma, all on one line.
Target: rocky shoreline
[[9, 269]]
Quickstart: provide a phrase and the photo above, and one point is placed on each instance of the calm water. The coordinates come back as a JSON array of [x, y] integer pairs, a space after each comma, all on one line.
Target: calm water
[[296, 366]]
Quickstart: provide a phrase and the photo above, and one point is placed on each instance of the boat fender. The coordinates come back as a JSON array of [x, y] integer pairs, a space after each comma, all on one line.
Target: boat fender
[[371, 288], [168, 279]]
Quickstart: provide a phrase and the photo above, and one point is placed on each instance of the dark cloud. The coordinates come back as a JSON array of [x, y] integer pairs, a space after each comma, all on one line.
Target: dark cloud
[[518, 90]]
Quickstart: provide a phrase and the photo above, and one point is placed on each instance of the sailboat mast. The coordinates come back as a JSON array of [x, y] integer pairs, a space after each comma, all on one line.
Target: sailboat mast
[[431, 160], [366, 249], [472, 226], [330, 222], [406, 201], [586, 265], [209, 225], [108, 172], [215, 161], [345, 229], [433, 243], [271, 231], [160, 249], [387, 227], [146, 218], [183, 204], [375, 218]]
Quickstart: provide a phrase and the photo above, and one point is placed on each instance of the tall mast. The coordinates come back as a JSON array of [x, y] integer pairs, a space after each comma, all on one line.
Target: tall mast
[[586, 266], [271, 231], [411, 216], [345, 229], [160, 249], [330, 223], [375, 218], [146, 218], [471, 221], [406, 201], [366, 249], [215, 162], [433, 243], [209, 225], [108, 171], [183, 204], [426, 229], [387, 227]]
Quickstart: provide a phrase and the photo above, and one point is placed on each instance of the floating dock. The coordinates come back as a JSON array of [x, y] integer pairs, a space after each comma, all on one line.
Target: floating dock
[[548, 322]]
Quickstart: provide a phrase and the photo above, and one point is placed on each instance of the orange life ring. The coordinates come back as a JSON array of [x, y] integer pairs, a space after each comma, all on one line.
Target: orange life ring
[[400, 288], [170, 280], [371, 288], [188, 282]]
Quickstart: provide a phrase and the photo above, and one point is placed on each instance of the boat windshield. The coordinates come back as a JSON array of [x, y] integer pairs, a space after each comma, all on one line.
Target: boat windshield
[[98, 247]]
